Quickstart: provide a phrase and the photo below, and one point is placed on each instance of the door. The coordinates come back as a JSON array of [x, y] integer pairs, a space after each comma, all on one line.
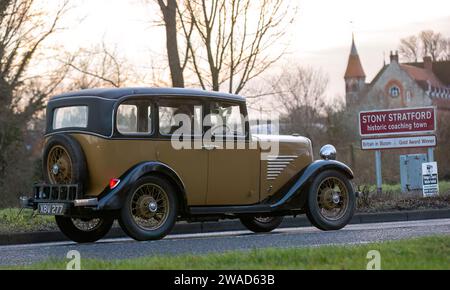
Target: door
[[180, 132], [233, 165]]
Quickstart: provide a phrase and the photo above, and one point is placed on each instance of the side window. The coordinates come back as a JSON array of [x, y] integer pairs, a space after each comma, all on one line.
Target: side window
[[134, 117], [70, 117], [227, 119], [180, 117]]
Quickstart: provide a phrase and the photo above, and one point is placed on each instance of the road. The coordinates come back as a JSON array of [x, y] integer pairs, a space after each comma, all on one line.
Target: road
[[225, 241]]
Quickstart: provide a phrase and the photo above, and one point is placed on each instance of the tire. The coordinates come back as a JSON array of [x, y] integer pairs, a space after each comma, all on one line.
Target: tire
[[261, 224], [319, 205], [77, 161], [137, 212], [69, 228]]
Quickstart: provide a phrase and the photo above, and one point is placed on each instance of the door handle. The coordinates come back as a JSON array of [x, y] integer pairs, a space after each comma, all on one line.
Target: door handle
[[210, 147]]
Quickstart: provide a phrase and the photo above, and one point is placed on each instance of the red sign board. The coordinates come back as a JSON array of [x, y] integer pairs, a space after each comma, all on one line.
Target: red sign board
[[397, 121]]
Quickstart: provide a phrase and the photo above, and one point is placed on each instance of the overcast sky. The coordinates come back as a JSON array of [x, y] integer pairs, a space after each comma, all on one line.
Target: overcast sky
[[321, 37]]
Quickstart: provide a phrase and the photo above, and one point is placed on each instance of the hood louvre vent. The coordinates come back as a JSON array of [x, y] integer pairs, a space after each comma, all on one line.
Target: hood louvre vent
[[277, 164]]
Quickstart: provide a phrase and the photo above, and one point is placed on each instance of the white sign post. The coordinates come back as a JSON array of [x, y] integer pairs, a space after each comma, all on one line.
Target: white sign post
[[430, 179]]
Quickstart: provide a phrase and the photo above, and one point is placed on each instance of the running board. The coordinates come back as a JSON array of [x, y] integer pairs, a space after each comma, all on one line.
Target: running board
[[230, 210]]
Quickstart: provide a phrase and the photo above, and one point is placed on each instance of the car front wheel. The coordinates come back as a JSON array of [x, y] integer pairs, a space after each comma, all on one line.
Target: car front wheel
[[84, 230], [261, 224], [331, 201], [150, 210]]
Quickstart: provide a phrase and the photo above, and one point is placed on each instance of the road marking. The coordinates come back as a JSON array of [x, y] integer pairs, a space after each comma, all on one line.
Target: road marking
[[353, 227]]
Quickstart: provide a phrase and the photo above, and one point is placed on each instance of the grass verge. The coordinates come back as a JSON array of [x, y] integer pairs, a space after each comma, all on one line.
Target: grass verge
[[12, 220], [421, 253]]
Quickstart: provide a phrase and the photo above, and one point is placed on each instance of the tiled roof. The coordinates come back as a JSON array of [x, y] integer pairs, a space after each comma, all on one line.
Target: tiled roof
[[421, 74], [441, 70], [435, 82], [354, 66]]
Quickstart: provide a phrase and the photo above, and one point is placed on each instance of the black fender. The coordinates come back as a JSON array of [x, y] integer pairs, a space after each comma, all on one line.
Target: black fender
[[115, 198], [306, 176]]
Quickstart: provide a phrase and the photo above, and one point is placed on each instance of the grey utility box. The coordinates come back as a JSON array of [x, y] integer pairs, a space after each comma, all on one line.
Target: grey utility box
[[411, 171]]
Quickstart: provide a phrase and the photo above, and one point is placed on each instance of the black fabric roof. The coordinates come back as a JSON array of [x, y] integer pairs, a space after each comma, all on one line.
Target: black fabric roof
[[116, 93]]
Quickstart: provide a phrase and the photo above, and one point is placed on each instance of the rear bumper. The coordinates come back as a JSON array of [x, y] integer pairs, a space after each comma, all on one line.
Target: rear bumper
[[27, 202], [67, 195]]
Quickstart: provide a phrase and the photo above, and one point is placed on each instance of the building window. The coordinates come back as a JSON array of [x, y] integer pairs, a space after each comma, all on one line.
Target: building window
[[394, 92], [408, 96]]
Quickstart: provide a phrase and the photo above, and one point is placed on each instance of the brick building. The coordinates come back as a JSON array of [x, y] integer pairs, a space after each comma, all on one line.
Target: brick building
[[398, 85]]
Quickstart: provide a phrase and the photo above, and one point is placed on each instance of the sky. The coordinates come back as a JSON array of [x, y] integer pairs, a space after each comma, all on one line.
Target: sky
[[320, 37]]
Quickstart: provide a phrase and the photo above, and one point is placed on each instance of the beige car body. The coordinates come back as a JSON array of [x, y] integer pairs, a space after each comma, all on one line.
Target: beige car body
[[211, 177]]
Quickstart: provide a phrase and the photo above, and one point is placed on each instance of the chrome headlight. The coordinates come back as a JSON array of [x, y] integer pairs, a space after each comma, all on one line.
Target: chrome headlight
[[328, 152]]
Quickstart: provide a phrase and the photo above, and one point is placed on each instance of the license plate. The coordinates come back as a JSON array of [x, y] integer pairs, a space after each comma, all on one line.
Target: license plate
[[51, 208]]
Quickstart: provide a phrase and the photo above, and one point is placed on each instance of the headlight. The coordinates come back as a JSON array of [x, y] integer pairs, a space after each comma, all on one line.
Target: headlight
[[328, 152]]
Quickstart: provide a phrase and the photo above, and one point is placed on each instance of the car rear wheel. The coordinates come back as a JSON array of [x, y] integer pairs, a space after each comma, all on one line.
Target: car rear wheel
[[150, 210], [84, 230], [331, 201], [260, 224]]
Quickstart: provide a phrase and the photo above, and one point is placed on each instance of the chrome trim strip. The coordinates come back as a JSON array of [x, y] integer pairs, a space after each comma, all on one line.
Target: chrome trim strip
[[56, 98], [283, 156], [85, 202], [78, 132]]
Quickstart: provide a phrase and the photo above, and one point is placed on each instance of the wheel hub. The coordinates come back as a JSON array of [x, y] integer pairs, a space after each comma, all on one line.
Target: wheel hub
[[335, 198], [153, 206], [144, 207], [55, 169]]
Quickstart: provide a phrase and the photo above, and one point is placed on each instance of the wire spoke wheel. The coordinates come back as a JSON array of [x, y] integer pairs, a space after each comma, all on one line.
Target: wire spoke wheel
[[87, 225], [332, 198], [149, 206], [263, 220], [59, 166]]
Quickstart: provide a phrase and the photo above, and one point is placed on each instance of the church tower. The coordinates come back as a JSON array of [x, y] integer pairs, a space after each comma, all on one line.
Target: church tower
[[355, 78]]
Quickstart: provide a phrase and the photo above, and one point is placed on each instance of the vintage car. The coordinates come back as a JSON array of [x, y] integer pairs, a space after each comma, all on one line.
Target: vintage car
[[113, 154]]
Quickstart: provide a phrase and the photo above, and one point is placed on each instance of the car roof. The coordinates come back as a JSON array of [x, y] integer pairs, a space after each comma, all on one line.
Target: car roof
[[117, 93]]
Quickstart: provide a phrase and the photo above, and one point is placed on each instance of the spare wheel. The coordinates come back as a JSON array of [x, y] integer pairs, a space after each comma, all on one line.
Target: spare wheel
[[64, 162]]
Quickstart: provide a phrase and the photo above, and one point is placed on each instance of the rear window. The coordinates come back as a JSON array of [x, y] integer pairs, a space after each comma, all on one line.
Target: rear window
[[70, 117]]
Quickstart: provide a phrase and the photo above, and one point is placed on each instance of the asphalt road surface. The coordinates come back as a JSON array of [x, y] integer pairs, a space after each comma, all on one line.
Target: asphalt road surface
[[225, 241]]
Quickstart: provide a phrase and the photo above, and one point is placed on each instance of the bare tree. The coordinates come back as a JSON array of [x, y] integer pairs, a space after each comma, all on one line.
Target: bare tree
[[426, 43], [301, 94], [410, 48], [234, 37], [23, 30], [169, 11], [447, 49], [99, 66], [432, 44], [223, 42]]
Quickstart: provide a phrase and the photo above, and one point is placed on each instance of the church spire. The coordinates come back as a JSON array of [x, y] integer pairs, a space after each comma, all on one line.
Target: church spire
[[354, 66], [353, 51]]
